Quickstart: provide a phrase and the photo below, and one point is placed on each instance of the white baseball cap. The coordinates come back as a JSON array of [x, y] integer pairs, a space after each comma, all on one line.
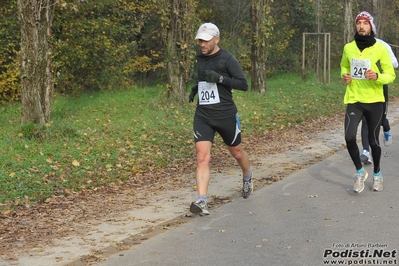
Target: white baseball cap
[[207, 31]]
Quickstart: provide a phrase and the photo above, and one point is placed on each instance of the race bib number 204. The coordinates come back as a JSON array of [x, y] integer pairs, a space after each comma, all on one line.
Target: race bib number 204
[[359, 68], [208, 93]]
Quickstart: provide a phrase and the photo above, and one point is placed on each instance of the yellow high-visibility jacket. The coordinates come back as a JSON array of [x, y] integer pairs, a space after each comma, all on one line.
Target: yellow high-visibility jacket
[[364, 90]]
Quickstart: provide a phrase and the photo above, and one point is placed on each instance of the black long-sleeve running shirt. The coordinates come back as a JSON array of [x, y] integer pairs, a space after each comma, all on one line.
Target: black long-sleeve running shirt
[[225, 64]]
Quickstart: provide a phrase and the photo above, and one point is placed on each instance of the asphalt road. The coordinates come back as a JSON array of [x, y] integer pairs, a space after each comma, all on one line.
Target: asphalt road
[[311, 217]]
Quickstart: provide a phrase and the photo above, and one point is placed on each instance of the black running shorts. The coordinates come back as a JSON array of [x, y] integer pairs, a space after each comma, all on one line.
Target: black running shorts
[[228, 128]]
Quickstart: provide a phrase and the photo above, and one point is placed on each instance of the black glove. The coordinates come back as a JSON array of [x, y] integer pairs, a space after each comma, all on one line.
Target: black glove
[[194, 91], [212, 76]]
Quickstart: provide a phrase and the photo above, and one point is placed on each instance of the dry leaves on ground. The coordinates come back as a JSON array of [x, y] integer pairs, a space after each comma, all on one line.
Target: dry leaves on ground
[[30, 227]]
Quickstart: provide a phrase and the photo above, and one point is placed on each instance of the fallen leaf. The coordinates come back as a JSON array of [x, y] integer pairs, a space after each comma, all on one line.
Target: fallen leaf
[[6, 212]]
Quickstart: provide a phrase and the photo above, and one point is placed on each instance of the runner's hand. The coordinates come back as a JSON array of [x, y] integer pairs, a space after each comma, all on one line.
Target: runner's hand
[[212, 76], [346, 78], [194, 91]]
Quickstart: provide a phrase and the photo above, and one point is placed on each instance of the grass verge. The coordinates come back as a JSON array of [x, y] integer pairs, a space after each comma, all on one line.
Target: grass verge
[[108, 137]]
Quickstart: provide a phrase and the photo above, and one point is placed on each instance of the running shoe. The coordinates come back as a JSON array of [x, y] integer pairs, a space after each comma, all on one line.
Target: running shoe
[[377, 182], [358, 186], [247, 188], [365, 157], [387, 138], [199, 207]]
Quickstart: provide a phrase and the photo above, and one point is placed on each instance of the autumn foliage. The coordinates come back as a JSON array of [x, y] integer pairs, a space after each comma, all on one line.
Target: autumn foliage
[[108, 44]]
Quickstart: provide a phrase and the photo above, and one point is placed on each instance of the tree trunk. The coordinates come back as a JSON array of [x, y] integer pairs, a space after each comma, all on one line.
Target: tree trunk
[[36, 78], [179, 40], [349, 28], [378, 18], [319, 22], [259, 12]]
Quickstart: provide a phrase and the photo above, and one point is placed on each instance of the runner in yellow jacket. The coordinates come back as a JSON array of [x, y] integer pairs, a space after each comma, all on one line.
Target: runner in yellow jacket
[[365, 67]]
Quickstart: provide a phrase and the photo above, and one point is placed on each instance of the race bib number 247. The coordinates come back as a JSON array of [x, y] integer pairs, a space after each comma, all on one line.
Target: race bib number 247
[[359, 67]]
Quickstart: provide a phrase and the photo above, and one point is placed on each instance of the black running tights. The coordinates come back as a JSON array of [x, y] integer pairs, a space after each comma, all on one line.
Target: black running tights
[[373, 113]]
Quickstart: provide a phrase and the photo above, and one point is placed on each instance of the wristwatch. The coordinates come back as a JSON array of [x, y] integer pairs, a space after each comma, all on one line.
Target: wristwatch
[[221, 79]]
